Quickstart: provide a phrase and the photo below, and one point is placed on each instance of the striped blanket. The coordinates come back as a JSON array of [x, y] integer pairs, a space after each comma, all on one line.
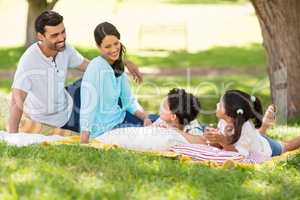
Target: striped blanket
[[201, 152]]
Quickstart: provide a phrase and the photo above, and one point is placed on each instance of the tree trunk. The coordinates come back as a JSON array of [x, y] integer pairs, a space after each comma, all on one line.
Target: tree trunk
[[280, 24], [35, 8]]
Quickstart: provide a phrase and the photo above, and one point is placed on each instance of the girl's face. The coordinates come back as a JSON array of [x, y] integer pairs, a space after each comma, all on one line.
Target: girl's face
[[220, 112], [110, 48], [165, 112]]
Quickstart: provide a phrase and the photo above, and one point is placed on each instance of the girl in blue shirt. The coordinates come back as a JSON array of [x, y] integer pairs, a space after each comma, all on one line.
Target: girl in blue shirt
[[106, 98]]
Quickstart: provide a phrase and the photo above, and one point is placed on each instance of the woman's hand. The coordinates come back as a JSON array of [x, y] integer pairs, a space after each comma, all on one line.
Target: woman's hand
[[147, 122], [134, 70], [84, 137]]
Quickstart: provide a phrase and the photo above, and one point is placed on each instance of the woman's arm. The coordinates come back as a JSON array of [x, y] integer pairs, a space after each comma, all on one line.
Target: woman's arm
[[89, 100], [144, 117], [128, 102]]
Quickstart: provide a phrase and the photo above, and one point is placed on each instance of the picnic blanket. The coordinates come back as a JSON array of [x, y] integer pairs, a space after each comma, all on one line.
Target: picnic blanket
[[143, 138], [208, 155], [25, 139], [202, 152]]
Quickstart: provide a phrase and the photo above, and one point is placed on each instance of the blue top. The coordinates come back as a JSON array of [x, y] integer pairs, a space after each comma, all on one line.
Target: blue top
[[100, 93]]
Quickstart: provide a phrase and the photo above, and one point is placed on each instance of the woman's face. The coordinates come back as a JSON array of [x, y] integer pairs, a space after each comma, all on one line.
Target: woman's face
[[220, 112], [110, 48], [165, 112]]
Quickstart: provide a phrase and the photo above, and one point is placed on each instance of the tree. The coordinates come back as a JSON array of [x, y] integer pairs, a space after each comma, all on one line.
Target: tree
[[35, 8], [280, 25]]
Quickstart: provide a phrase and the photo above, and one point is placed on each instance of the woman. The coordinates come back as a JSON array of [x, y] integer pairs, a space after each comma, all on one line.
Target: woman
[[106, 98]]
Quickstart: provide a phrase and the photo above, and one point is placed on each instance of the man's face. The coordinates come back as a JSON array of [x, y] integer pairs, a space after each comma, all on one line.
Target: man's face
[[54, 37]]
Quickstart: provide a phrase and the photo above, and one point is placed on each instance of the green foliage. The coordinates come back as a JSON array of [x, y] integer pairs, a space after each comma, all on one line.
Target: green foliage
[[9, 57]]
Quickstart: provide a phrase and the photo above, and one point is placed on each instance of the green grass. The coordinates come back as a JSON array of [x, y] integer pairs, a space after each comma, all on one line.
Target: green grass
[[250, 56], [74, 172]]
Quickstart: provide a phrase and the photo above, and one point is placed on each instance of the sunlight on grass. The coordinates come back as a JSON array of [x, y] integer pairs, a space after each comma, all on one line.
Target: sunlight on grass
[[219, 57], [248, 56], [84, 173]]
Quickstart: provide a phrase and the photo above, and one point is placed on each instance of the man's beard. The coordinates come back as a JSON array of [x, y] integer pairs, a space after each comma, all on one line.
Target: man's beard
[[55, 46]]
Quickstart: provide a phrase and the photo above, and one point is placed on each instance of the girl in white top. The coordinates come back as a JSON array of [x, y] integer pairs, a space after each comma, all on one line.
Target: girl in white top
[[240, 127]]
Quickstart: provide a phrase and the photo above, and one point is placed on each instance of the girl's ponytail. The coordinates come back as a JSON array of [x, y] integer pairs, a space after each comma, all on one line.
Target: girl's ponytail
[[257, 112], [238, 125]]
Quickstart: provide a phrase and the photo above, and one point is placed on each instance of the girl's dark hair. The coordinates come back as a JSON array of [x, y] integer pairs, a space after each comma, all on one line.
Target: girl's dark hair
[[47, 18], [241, 107], [103, 30], [184, 105]]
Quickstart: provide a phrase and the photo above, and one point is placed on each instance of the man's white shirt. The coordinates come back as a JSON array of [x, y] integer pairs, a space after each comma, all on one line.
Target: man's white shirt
[[43, 79]]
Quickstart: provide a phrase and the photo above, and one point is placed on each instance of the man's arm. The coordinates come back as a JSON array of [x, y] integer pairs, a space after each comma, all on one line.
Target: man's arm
[[84, 137], [16, 110]]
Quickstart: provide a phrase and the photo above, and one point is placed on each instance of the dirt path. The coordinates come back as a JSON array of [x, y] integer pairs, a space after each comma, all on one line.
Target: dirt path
[[9, 74]]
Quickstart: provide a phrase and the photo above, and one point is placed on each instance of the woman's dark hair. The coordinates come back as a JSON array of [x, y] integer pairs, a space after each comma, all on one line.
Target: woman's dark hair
[[184, 105], [241, 107], [47, 18], [103, 30]]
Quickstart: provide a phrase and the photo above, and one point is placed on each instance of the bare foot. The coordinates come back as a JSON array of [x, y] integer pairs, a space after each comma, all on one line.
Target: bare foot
[[269, 119]]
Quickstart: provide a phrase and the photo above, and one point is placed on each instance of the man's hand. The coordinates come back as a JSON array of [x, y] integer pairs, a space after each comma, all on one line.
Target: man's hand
[[84, 137], [134, 71], [16, 110]]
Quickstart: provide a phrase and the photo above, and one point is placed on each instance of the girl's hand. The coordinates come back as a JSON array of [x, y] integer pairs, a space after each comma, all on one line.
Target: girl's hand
[[147, 122], [216, 137], [84, 137]]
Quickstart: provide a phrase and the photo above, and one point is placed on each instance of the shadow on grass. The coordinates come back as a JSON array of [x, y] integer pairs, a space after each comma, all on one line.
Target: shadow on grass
[[217, 57]]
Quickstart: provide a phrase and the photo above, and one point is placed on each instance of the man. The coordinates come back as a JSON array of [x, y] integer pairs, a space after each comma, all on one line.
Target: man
[[38, 88]]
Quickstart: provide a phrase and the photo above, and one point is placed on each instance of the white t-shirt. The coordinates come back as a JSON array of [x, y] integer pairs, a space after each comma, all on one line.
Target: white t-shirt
[[250, 141], [43, 79]]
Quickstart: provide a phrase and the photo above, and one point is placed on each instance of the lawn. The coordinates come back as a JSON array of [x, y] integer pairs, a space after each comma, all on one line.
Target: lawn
[[76, 172], [246, 57]]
